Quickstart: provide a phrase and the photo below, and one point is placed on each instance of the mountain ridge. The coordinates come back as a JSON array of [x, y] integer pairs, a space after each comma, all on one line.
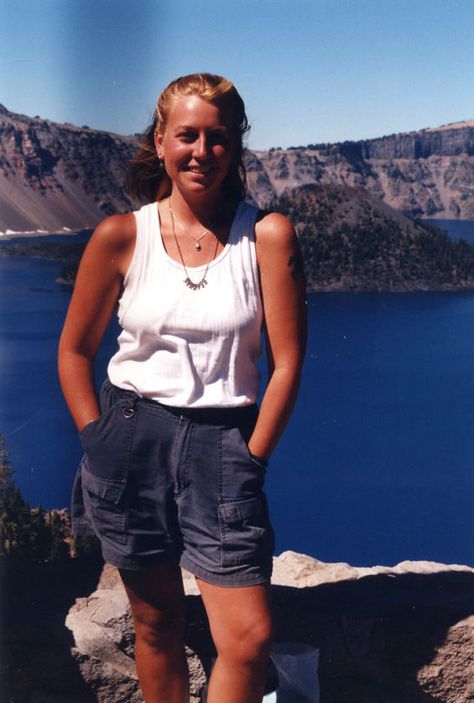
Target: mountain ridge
[[427, 173], [460, 124], [58, 175]]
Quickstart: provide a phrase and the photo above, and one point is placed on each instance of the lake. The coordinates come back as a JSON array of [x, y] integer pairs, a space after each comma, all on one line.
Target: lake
[[377, 464], [456, 229]]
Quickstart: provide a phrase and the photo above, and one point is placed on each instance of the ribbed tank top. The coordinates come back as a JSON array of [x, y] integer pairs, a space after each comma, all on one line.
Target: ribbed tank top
[[184, 347]]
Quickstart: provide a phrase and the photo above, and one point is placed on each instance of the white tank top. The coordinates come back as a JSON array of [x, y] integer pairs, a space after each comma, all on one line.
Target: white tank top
[[184, 347]]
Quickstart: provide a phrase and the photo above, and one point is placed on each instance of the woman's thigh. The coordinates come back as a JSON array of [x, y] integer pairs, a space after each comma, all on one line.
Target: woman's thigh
[[157, 599]]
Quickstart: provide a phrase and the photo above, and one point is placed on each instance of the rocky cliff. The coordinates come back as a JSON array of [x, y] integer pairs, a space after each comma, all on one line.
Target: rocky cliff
[[54, 176], [429, 173], [58, 175]]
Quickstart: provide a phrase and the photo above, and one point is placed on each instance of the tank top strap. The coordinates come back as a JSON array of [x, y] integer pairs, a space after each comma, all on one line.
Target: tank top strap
[[244, 222], [145, 244], [242, 237]]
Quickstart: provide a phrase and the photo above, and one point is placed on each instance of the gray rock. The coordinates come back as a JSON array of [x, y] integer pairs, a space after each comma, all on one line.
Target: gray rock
[[103, 636], [402, 634]]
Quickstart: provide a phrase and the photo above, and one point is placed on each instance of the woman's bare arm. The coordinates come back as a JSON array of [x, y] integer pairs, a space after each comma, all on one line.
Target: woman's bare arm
[[284, 304], [96, 291]]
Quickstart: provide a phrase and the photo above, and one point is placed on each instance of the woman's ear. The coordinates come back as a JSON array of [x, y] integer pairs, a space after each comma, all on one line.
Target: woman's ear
[[158, 138]]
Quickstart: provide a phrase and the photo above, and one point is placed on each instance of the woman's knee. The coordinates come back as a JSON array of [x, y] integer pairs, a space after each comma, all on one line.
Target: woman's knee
[[158, 629], [246, 642]]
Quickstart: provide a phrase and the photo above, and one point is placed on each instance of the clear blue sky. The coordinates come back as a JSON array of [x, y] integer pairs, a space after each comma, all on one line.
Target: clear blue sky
[[309, 70]]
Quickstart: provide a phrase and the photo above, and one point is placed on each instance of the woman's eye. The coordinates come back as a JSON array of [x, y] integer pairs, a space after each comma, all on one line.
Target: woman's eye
[[218, 138], [212, 139]]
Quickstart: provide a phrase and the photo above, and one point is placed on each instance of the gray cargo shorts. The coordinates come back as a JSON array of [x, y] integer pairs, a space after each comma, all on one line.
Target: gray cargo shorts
[[158, 483]]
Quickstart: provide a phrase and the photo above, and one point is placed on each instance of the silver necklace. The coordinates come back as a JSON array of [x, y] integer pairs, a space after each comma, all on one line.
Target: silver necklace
[[188, 281]]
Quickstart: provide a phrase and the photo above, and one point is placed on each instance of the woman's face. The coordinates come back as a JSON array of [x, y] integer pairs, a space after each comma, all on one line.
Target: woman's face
[[196, 145]]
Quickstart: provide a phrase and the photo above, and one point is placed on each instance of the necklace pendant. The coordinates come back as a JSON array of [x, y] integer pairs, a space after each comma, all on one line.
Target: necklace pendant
[[197, 246], [195, 286]]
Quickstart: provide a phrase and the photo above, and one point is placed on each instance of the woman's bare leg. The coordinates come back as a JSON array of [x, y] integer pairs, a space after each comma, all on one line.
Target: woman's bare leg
[[241, 627], [156, 598]]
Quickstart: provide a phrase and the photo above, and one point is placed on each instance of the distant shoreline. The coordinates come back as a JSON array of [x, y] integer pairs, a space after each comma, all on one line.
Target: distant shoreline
[[32, 234], [66, 231], [67, 246]]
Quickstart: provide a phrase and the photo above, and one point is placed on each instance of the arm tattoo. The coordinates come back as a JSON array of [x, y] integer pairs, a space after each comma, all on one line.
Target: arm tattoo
[[296, 264]]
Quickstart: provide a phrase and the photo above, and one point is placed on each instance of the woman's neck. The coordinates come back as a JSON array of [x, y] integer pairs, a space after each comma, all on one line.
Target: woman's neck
[[202, 210]]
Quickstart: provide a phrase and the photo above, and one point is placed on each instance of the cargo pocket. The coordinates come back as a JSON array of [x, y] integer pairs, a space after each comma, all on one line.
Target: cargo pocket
[[104, 501], [80, 521], [247, 536]]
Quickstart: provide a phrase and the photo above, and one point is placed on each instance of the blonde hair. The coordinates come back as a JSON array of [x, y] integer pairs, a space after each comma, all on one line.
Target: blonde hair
[[148, 180]]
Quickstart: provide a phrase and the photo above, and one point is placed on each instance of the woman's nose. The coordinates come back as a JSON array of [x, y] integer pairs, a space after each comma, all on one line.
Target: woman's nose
[[201, 147]]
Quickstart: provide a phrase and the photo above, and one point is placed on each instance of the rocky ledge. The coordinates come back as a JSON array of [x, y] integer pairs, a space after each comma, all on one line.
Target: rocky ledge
[[402, 634]]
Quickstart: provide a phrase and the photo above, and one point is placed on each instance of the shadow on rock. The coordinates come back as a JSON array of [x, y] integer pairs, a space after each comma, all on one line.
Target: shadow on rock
[[382, 639]]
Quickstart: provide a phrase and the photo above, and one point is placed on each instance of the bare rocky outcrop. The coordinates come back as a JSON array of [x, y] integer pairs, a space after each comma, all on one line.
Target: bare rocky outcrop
[[59, 175], [402, 634], [429, 173]]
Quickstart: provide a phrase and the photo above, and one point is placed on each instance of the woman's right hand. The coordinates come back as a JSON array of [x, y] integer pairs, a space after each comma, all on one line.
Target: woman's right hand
[[98, 286]]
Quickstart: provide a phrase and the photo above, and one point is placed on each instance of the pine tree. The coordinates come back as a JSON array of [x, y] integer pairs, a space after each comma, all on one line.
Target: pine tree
[[14, 511], [26, 533], [6, 471]]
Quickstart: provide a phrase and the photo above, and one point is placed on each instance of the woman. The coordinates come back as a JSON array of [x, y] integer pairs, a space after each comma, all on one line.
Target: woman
[[175, 455]]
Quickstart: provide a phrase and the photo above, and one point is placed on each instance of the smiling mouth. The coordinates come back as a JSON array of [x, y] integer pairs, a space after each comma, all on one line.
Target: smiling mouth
[[199, 171]]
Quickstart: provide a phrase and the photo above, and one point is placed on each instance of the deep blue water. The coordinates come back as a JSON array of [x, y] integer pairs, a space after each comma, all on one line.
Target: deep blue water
[[377, 463], [457, 229]]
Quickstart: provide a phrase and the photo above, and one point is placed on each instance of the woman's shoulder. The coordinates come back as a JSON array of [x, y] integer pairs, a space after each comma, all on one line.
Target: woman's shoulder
[[112, 243], [273, 228], [116, 232]]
